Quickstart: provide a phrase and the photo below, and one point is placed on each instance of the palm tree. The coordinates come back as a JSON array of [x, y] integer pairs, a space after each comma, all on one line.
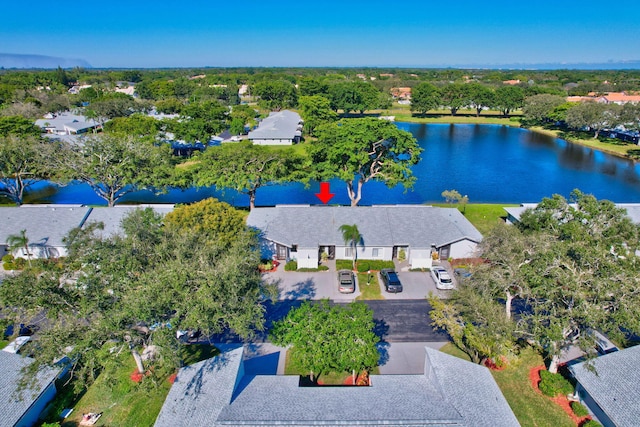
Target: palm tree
[[16, 241], [352, 237]]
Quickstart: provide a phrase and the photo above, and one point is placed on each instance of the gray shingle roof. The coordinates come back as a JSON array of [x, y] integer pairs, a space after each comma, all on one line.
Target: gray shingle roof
[[616, 386], [44, 224], [414, 225], [453, 392], [112, 217], [280, 125], [14, 405]]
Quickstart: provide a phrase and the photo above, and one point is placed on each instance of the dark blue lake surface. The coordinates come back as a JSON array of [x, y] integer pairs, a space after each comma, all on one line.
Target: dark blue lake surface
[[489, 163]]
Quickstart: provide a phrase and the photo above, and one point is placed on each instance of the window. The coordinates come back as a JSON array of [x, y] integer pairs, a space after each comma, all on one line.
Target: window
[[294, 248], [348, 252], [376, 252]]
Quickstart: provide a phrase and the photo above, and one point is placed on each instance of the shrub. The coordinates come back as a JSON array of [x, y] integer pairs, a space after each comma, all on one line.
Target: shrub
[[20, 263], [291, 266], [7, 258], [378, 264], [402, 255], [591, 423], [579, 409], [344, 264], [362, 266], [311, 270], [554, 384]]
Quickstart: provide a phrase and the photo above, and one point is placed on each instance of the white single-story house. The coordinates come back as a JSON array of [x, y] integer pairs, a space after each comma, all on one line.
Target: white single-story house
[[47, 225], [451, 391], [67, 124], [280, 128], [21, 409], [303, 233], [610, 389]]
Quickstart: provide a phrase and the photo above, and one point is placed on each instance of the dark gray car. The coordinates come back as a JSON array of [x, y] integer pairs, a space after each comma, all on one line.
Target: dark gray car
[[346, 282], [390, 280]]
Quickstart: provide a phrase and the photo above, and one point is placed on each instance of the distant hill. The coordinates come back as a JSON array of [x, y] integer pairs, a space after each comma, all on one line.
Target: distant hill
[[13, 60]]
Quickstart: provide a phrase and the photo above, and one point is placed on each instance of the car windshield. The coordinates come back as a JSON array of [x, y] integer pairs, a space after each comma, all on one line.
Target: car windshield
[[445, 279]]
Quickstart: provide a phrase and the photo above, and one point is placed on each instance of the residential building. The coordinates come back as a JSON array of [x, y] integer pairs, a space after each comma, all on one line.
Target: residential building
[[22, 408], [67, 123], [451, 391], [609, 386], [280, 128], [47, 225], [303, 233]]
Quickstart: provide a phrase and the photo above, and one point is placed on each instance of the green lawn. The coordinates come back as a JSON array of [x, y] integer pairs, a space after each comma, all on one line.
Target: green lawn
[[121, 401], [609, 145], [530, 407], [370, 291], [484, 216]]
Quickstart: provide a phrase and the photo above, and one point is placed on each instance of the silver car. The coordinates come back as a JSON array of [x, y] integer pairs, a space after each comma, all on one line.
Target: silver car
[[346, 282], [442, 278]]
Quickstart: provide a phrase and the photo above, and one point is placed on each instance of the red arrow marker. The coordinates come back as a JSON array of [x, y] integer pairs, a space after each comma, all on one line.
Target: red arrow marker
[[325, 193]]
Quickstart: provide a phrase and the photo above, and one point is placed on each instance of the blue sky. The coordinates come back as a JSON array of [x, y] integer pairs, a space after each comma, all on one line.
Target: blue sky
[[323, 33]]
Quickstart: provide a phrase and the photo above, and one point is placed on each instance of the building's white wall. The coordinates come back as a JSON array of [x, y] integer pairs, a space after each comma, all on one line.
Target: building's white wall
[[40, 252], [384, 252], [272, 141], [463, 249], [307, 258], [420, 258]]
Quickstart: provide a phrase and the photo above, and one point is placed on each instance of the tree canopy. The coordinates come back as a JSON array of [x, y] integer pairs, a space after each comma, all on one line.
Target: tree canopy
[[360, 150], [132, 292], [329, 338], [424, 97], [243, 167], [115, 165]]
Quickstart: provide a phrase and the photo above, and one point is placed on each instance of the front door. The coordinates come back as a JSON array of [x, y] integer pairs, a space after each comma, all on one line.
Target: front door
[[332, 252], [281, 252]]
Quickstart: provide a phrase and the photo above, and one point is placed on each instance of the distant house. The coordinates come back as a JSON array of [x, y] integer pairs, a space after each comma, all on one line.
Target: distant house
[[511, 82], [303, 233], [66, 124], [451, 391], [21, 409], [47, 225], [619, 98], [611, 391], [280, 128], [401, 93], [75, 89]]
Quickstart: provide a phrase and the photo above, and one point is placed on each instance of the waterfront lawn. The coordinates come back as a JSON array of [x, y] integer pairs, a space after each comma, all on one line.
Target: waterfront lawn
[[370, 291], [121, 401], [532, 409], [483, 216], [609, 145]]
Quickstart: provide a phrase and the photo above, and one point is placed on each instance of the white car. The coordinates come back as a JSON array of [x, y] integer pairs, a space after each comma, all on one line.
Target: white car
[[442, 278]]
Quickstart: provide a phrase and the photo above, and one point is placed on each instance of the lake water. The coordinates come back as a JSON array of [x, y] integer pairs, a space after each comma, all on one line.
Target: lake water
[[488, 163]]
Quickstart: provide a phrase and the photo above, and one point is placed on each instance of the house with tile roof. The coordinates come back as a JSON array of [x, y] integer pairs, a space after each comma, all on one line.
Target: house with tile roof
[[47, 225], [280, 128], [303, 233], [611, 386], [22, 408], [450, 391]]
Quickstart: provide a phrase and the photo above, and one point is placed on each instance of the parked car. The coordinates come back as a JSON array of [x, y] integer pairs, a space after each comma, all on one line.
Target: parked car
[[462, 272], [391, 281], [442, 278], [346, 282]]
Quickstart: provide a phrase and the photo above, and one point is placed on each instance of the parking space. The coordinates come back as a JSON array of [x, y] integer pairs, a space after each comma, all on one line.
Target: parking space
[[324, 284]]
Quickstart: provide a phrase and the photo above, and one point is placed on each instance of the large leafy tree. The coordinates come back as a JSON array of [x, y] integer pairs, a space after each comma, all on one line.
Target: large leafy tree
[[540, 107], [315, 110], [329, 338], [508, 98], [594, 115], [276, 94], [17, 126], [360, 150], [115, 165], [480, 97], [243, 167], [132, 292], [23, 162], [354, 96], [454, 96], [424, 97]]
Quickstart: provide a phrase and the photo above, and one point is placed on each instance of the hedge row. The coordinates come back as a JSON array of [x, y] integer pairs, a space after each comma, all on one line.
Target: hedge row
[[364, 265], [554, 384]]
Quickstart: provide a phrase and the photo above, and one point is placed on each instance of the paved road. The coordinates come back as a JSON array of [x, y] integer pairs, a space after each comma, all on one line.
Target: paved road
[[404, 321]]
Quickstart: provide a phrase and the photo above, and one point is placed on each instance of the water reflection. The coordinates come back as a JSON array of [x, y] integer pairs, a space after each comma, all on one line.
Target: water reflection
[[489, 163]]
